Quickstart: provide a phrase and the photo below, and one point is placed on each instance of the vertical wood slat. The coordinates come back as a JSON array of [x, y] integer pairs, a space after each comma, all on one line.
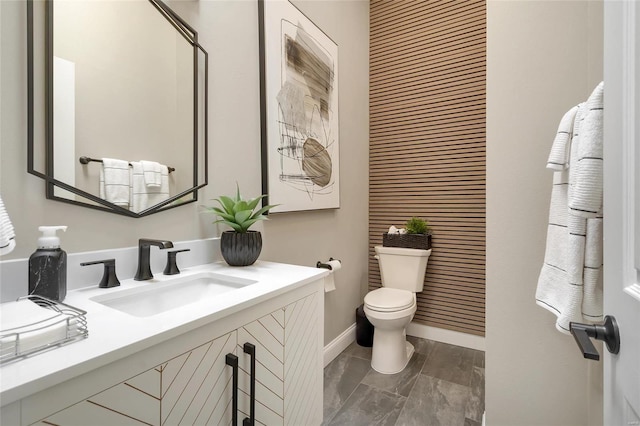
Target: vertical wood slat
[[427, 147]]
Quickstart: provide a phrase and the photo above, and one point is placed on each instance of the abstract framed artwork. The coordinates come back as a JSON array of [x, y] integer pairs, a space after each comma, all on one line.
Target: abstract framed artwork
[[299, 110]]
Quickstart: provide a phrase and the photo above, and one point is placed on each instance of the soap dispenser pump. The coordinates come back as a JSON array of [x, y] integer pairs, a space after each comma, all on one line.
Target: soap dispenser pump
[[48, 266]]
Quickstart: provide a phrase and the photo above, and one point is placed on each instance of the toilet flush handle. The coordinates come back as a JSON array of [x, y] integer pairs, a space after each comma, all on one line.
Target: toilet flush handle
[[376, 257]]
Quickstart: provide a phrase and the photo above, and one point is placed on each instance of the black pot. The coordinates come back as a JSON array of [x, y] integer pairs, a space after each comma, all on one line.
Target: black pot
[[240, 249]]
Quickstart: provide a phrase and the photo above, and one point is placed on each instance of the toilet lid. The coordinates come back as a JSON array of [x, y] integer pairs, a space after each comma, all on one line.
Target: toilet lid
[[388, 299]]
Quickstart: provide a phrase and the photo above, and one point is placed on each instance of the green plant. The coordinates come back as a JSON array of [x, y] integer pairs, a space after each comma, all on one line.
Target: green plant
[[239, 214], [415, 225]]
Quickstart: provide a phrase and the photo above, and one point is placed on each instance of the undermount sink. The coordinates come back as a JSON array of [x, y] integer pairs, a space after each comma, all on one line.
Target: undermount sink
[[157, 297]]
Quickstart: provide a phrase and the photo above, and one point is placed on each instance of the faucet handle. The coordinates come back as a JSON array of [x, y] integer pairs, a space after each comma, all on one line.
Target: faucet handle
[[172, 265], [109, 277]]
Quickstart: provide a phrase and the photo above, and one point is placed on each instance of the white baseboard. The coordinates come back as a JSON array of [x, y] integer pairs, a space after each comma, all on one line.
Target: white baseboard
[[446, 336], [339, 344]]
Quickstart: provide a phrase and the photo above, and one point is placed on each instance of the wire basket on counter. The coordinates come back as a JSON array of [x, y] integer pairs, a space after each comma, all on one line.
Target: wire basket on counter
[[68, 324]]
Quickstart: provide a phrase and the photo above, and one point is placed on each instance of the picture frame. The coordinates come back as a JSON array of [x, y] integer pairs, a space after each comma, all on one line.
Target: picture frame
[[299, 110]]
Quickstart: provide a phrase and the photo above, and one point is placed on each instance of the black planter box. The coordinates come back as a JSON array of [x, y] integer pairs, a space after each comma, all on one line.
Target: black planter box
[[414, 241]]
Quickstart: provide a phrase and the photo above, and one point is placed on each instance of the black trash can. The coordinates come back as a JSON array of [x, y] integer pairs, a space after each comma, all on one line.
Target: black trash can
[[364, 329]]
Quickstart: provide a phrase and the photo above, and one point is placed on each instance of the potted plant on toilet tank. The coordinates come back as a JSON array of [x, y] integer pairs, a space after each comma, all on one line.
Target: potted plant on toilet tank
[[240, 246], [417, 235]]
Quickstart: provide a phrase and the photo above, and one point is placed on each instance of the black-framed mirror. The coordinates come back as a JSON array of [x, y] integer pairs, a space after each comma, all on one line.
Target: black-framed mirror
[[117, 108]]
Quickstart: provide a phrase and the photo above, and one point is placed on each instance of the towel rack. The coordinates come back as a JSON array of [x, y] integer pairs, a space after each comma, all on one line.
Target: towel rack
[[86, 160]]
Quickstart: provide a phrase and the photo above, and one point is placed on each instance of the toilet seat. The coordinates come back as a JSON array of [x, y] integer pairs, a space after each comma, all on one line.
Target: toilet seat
[[389, 300]]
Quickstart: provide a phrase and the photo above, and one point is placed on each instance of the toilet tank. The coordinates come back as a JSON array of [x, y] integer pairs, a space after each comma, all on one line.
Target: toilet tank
[[402, 268]]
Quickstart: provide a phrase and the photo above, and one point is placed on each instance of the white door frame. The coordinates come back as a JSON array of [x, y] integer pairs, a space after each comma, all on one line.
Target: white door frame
[[622, 207]]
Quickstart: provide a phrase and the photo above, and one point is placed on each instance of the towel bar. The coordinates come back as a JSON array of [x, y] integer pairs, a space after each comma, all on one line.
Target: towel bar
[[86, 160]]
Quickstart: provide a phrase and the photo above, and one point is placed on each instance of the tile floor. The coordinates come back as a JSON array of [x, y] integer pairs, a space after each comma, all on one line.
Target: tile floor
[[442, 385]]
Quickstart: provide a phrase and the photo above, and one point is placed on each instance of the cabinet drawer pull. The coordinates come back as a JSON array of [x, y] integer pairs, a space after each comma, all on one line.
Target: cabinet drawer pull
[[232, 361], [250, 349]]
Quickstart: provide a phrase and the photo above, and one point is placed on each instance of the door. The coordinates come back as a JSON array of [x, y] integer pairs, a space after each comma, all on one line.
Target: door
[[622, 208]]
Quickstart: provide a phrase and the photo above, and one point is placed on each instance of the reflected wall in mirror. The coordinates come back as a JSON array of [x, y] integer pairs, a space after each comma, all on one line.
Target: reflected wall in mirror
[[117, 90]]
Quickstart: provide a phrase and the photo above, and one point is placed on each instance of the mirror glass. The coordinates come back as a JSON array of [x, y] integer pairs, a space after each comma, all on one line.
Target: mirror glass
[[125, 105]]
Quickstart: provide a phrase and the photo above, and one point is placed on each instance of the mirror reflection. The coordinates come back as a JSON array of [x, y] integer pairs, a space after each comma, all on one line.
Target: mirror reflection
[[128, 106]]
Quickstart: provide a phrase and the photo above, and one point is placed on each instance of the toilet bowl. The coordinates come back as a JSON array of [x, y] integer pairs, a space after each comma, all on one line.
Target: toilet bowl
[[392, 307], [389, 313]]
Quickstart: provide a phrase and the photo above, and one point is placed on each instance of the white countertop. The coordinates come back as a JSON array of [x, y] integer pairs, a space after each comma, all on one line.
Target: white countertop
[[114, 335]]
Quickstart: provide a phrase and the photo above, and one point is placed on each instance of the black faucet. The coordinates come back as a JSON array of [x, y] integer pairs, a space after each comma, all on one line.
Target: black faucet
[[144, 249]]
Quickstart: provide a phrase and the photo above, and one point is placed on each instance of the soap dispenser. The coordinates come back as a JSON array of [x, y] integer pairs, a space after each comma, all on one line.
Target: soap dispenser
[[48, 266]]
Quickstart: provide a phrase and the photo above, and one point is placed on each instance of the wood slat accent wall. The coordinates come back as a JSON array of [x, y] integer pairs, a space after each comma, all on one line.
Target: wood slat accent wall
[[427, 146]]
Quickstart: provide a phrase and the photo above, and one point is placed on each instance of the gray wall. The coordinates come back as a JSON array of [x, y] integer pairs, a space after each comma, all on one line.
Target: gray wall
[[229, 32], [543, 58]]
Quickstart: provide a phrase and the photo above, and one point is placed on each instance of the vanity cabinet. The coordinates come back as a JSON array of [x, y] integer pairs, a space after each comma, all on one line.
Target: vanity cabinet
[[193, 385], [191, 388]]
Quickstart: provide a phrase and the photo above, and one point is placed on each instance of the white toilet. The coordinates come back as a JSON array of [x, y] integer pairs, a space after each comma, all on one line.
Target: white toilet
[[391, 308]]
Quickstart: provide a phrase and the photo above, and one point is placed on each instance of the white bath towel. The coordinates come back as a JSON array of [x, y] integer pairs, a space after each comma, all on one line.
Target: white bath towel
[[115, 182], [143, 197], [152, 171], [7, 233], [570, 282]]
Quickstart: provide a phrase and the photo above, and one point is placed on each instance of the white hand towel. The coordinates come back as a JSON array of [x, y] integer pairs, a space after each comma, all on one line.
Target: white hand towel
[[143, 197], [553, 292], [577, 235], [152, 173], [592, 307], [585, 196], [570, 282], [21, 314], [115, 182], [559, 155], [36, 326], [7, 233]]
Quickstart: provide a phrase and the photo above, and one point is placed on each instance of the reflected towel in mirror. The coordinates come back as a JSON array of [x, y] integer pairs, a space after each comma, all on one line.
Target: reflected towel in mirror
[[152, 171], [143, 197], [115, 181]]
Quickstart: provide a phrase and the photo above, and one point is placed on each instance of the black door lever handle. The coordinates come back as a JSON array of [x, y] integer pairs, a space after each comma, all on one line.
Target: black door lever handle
[[607, 332]]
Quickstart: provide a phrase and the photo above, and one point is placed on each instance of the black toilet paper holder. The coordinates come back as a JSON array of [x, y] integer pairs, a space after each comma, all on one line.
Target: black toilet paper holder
[[325, 265]]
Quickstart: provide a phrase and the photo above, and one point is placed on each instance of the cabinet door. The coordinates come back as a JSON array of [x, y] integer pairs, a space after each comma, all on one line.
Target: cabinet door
[[267, 334], [192, 388], [303, 361], [288, 365], [196, 387]]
